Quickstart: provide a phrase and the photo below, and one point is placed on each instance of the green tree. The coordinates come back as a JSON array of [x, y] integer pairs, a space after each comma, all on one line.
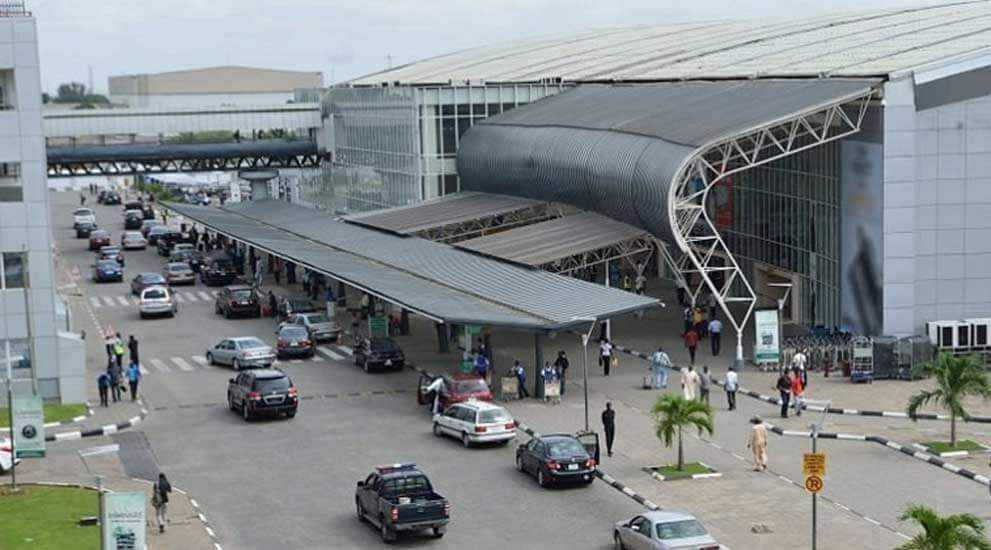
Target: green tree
[[955, 532], [673, 413], [956, 377], [70, 92]]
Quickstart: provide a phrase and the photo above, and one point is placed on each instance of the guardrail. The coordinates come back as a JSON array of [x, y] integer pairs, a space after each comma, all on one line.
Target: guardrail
[[13, 8]]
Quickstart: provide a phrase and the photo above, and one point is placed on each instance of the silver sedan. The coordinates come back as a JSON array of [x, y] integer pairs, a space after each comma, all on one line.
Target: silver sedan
[[663, 530], [241, 352], [133, 240]]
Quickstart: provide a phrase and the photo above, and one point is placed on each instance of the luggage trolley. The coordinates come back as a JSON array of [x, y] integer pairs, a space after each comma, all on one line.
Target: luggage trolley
[[862, 354]]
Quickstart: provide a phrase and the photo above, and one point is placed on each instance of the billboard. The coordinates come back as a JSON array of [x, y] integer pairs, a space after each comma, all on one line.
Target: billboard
[[767, 348], [123, 521], [29, 427], [721, 203], [861, 236]]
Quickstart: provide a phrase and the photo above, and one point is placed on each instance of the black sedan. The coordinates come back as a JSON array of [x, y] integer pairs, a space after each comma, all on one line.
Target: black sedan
[[133, 220], [293, 341], [112, 197], [192, 257], [145, 280], [373, 353], [106, 271], [85, 229], [258, 392], [155, 232], [556, 458]]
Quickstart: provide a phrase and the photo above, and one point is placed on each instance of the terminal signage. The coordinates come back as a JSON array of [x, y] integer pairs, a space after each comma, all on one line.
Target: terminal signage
[[29, 427], [766, 347], [123, 521]]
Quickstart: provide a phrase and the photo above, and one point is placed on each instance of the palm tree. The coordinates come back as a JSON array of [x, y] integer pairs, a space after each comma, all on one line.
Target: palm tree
[[956, 532], [956, 378], [674, 412]]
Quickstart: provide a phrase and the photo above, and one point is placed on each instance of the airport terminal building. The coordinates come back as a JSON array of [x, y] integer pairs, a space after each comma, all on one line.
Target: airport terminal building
[[848, 155]]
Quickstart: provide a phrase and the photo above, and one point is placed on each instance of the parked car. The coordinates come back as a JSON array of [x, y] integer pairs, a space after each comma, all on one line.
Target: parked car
[[106, 271], [399, 497], [167, 240], [82, 215], [147, 225], [179, 273], [457, 388], [101, 196], [476, 422], [132, 240], [85, 230], [158, 300], [133, 205], [556, 458], [379, 352], [133, 219], [268, 392], [663, 530], [192, 257], [320, 327], [147, 279], [7, 455], [110, 253], [293, 341], [294, 305], [237, 300], [98, 239], [217, 269], [148, 213], [112, 198], [241, 352], [155, 232]]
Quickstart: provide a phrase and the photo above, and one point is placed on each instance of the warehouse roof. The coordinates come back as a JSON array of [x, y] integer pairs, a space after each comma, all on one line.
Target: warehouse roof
[[866, 43], [446, 210]]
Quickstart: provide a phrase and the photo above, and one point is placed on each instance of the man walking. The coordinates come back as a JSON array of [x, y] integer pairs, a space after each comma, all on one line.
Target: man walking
[[520, 374], [133, 377], [797, 393], [690, 383], [132, 348], [715, 334], [103, 384], [609, 426], [758, 444], [784, 390], [549, 376], [562, 364], [119, 353], [731, 383], [115, 373], [160, 500], [691, 342], [605, 355], [705, 381], [660, 363]]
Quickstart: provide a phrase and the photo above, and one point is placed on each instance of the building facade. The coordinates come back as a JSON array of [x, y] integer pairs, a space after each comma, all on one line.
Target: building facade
[[34, 339]]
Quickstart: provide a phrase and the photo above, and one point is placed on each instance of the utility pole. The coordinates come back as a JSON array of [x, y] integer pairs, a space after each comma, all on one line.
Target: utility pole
[[10, 416], [584, 339]]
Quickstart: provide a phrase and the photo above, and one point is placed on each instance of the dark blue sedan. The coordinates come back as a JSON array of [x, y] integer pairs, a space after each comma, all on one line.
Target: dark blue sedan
[[108, 271]]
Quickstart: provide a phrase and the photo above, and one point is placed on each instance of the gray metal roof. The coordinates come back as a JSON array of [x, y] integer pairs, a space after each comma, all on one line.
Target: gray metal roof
[[434, 279], [542, 243], [617, 149], [446, 210]]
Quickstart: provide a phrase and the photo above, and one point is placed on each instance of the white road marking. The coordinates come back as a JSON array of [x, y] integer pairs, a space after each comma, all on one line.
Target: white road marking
[[316, 358], [191, 297], [179, 298], [206, 297], [160, 365], [136, 300], [95, 301], [200, 359], [143, 369], [344, 349], [109, 301], [295, 361], [122, 300], [330, 353], [183, 365]]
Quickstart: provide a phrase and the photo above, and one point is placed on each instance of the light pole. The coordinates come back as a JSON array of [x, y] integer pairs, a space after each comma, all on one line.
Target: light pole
[[585, 336], [816, 427]]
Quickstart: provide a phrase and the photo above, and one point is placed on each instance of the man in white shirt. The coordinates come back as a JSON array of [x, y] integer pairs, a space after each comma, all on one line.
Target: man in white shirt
[[660, 363], [715, 333], [690, 383], [437, 386], [731, 383], [799, 359], [605, 355]]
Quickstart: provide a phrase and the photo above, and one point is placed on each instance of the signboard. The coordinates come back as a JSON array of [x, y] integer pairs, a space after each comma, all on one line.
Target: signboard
[[378, 327], [123, 521], [29, 427], [814, 464], [813, 484], [766, 347]]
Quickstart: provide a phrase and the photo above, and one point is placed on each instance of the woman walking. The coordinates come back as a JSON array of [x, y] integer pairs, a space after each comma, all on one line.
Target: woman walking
[[160, 500]]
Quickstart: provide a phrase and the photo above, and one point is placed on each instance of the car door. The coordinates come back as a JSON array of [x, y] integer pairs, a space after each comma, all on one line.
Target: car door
[[640, 535], [243, 386], [222, 353], [530, 455], [466, 418], [369, 495], [449, 420]]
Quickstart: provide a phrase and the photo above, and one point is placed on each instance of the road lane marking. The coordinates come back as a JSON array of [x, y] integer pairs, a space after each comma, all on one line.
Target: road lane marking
[[206, 297], [135, 300], [191, 297], [200, 359], [316, 358], [183, 365], [295, 361], [122, 300], [95, 302], [330, 353], [344, 349], [179, 298], [143, 369], [109, 301], [160, 365]]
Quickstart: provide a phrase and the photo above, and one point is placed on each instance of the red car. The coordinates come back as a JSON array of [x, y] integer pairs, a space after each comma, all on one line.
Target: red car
[[293, 341], [457, 388], [98, 239]]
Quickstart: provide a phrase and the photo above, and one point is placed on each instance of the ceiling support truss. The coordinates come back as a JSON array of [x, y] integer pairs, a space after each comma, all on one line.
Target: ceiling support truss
[[479, 227], [68, 169], [641, 248]]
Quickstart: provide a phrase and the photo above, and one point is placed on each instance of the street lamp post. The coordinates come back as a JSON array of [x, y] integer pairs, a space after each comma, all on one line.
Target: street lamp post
[[585, 336], [816, 427]]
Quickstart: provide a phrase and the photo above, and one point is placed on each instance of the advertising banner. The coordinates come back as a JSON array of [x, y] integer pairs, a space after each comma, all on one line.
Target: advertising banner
[[722, 203], [766, 347], [862, 236], [29, 427], [123, 521]]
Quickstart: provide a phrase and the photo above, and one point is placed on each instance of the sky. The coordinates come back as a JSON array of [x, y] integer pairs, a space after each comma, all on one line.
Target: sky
[[342, 39]]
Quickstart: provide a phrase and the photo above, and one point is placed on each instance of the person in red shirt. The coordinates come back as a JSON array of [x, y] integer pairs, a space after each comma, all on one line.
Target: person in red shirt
[[691, 342], [798, 394]]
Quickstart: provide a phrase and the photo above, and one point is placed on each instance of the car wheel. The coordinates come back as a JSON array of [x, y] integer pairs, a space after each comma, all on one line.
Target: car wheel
[[464, 440], [388, 535], [291, 414], [244, 411], [618, 542], [143, 316], [365, 366], [209, 359], [227, 314], [236, 365], [360, 510], [519, 463], [439, 531], [437, 431], [230, 402], [540, 477]]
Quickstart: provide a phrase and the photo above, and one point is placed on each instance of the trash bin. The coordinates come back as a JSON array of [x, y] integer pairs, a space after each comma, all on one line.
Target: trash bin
[[509, 388]]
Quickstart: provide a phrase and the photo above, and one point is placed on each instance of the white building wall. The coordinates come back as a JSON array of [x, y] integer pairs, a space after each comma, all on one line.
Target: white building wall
[[173, 101]]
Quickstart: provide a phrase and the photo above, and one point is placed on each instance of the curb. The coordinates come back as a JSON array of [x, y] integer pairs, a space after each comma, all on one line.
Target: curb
[[74, 420], [712, 475], [949, 454], [102, 430]]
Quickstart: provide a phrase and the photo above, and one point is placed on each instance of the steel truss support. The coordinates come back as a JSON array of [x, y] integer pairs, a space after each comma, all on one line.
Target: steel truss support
[[462, 231], [626, 249], [704, 250], [70, 169]]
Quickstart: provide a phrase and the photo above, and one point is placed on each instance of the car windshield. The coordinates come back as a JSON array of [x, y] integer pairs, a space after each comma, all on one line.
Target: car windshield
[[158, 229], [491, 416], [83, 212], [133, 235], [559, 448], [107, 264], [99, 235], [151, 278], [272, 384], [241, 294], [179, 268], [470, 386], [383, 344], [155, 293], [680, 529], [293, 333], [251, 343], [317, 319], [109, 251]]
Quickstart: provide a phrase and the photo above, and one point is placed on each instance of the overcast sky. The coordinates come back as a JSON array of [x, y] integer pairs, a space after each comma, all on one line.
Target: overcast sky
[[343, 39]]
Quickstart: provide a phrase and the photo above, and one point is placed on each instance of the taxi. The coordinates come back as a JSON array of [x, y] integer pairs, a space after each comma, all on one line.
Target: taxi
[[474, 421]]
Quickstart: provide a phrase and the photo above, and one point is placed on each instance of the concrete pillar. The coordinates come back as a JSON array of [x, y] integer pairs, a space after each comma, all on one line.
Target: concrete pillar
[[538, 365], [443, 345]]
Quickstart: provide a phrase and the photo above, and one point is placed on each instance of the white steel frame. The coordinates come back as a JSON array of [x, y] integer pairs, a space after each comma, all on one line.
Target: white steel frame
[[694, 232]]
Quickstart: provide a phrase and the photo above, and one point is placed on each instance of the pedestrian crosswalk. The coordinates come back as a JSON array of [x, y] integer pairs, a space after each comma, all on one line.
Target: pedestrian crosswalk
[[193, 363], [182, 296]]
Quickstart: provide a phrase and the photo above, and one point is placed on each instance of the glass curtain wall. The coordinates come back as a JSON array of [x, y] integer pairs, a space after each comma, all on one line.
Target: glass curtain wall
[[786, 214]]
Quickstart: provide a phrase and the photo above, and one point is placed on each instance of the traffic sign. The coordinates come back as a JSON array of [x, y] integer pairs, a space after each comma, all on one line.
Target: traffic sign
[[813, 484], [814, 464]]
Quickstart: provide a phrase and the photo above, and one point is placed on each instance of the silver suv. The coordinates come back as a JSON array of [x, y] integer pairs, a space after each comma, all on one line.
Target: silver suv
[[158, 300]]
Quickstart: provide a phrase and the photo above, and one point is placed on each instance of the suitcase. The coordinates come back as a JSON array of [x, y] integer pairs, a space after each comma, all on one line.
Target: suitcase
[[648, 382]]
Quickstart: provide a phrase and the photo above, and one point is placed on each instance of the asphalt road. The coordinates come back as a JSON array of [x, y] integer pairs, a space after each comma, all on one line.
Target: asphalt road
[[290, 483]]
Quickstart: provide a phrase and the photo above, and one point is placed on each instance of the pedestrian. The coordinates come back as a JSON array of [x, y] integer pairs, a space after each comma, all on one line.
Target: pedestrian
[[691, 342], [715, 334], [798, 360], [784, 389], [119, 352], [681, 295], [482, 366], [133, 377], [660, 363], [437, 388], [803, 374], [103, 384], [290, 273], [520, 374], [273, 307], [277, 272], [758, 443], [562, 364], [690, 383], [605, 355], [640, 284], [797, 393], [711, 302], [160, 500], [132, 348], [697, 321], [549, 376], [731, 383], [109, 342], [82, 199], [609, 426], [705, 381], [355, 324], [115, 373], [687, 316]]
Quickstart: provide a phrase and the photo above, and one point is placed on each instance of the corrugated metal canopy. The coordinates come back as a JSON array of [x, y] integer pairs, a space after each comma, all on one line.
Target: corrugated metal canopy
[[446, 210], [433, 279], [542, 243]]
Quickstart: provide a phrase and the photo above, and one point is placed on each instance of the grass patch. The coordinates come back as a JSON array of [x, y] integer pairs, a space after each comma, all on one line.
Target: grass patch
[[671, 472], [937, 447], [53, 413], [42, 518]]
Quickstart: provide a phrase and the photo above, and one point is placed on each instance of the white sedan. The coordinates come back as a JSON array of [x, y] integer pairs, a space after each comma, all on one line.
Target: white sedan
[[133, 240], [663, 530], [476, 422], [6, 456]]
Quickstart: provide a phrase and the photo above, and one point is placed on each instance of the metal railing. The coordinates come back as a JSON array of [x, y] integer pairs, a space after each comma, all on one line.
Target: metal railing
[[13, 8]]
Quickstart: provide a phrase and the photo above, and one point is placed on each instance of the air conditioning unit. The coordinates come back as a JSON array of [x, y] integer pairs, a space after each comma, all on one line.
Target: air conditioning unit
[[960, 335]]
